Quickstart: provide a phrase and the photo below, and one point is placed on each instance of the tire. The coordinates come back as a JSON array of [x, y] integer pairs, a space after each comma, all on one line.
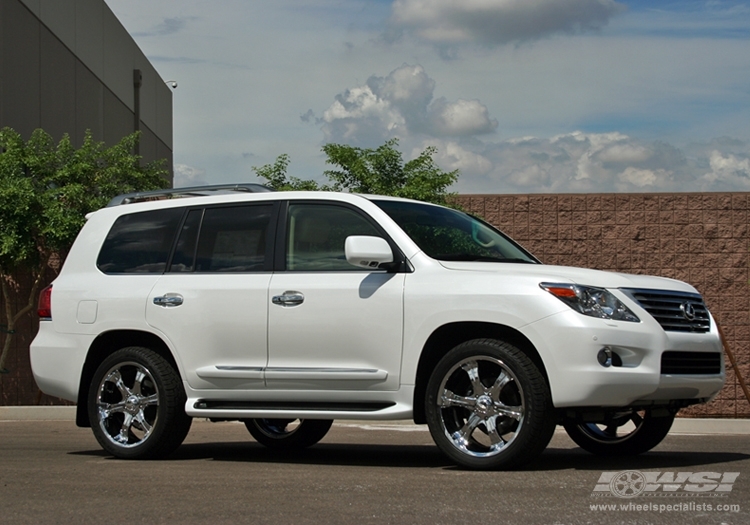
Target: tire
[[488, 406], [288, 434], [136, 405], [627, 434]]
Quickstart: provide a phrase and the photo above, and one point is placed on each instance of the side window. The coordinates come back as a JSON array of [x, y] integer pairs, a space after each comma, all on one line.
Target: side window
[[316, 234], [140, 242], [226, 239], [184, 253]]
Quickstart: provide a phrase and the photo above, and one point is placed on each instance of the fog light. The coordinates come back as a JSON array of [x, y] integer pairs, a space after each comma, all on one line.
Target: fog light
[[605, 357]]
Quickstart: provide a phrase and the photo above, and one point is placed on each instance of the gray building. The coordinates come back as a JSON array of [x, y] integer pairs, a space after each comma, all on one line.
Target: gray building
[[68, 66]]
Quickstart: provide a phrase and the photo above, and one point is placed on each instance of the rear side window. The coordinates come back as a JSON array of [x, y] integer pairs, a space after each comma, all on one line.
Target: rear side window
[[226, 239], [140, 242]]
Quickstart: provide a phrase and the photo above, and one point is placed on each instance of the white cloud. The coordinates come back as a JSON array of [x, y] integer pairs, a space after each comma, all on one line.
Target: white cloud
[[642, 178], [494, 22], [729, 169], [460, 118], [400, 105], [452, 156], [606, 162], [635, 75], [186, 176]]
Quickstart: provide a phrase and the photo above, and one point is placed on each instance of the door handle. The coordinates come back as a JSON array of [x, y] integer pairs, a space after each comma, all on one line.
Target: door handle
[[168, 300], [288, 298]]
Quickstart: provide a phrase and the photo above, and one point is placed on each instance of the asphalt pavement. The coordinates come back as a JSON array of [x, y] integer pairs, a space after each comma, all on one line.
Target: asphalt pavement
[[363, 473]]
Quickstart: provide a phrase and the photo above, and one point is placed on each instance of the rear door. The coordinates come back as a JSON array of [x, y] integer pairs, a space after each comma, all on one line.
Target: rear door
[[212, 304]]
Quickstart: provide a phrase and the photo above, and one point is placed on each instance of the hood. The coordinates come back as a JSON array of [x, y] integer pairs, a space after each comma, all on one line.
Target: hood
[[570, 274]]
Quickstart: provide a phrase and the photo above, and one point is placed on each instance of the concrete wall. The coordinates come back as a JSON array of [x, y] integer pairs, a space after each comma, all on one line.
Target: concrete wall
[[701, 238], [67, 66]]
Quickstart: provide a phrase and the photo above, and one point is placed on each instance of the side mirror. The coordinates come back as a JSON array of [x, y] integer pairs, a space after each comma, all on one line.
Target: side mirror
[[367, 252]]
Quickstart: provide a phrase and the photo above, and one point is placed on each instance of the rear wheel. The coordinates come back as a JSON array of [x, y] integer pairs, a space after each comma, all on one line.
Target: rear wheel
[[488, 406], [626, 433], [136, 405], [288, 433]]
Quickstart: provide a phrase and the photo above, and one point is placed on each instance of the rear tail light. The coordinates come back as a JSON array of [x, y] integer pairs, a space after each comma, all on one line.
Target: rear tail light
[[44, 308]]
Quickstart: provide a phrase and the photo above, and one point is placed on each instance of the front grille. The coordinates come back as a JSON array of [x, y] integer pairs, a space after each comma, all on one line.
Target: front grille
[[700, 363], [674, 311]]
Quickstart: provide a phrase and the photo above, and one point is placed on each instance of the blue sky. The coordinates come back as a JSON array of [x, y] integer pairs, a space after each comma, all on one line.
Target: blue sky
[[519, 95]]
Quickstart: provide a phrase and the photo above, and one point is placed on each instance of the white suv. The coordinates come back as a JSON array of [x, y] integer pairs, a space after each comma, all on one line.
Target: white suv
[[289, 310]]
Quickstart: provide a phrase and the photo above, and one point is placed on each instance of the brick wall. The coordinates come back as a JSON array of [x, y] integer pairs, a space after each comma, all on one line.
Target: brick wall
[[701, 238]]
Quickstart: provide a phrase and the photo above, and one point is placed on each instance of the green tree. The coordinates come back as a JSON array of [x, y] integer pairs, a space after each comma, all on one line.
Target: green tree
[[46, 189], [277, 178], [380, 171]]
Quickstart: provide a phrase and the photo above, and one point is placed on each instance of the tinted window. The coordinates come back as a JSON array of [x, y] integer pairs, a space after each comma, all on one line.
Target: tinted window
[[451, 235], [184, 254], [316, 234], [140, 242], [231, 239]]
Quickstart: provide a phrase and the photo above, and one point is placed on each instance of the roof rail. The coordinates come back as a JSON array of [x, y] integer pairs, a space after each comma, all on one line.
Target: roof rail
[[193, 191]]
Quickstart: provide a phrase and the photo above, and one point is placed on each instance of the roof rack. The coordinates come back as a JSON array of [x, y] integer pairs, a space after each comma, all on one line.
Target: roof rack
[[194, 191]]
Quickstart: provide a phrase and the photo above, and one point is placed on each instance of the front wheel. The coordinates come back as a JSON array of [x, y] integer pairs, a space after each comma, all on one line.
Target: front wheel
[[488, 406], [136, 405], [627, 433], [288, 434]]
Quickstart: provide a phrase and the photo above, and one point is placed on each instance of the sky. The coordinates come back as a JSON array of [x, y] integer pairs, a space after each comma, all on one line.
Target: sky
[[520, 96]]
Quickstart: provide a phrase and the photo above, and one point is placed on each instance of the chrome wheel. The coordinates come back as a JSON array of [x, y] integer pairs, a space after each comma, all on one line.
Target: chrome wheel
[[488, 406], [628, 432], [127, 404], [136, 405], [481, 406], [288, 433]]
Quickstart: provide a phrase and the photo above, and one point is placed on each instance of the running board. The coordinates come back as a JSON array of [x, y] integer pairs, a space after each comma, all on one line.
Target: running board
[[291, 406]]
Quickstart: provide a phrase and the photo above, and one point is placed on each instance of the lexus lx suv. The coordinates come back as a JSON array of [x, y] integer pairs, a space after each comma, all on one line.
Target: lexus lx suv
[[288, 310]]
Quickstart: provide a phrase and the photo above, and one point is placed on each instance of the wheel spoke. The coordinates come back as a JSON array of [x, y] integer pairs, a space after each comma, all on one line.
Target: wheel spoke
[[502, 380], [449, 399], [492, 433], [124, 435], [636, 418], [515, 412], [139, 377], [462, 437], [116, 378], [611, 430], [153, 399], [106, 410], [472, 370], [143, 424], [465, 432]]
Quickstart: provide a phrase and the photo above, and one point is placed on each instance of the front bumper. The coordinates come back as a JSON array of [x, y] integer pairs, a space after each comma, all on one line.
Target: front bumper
[[569, 342]]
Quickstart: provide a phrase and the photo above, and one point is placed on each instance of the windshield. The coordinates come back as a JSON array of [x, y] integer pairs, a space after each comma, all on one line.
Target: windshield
[[450, 235]]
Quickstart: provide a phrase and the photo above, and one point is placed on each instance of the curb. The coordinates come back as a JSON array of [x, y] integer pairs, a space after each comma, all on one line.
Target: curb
[[680, 426]]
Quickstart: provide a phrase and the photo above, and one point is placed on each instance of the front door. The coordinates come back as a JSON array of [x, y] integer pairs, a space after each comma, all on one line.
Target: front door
[[332, 326]]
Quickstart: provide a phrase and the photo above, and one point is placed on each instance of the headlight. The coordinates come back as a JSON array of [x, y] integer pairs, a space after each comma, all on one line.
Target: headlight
[[594, 302]]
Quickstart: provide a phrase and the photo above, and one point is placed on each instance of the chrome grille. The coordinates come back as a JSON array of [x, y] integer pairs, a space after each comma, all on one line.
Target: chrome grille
[[674, 311]]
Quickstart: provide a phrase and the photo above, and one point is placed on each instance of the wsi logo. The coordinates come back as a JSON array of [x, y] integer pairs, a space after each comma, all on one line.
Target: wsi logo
[[632, 483]]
